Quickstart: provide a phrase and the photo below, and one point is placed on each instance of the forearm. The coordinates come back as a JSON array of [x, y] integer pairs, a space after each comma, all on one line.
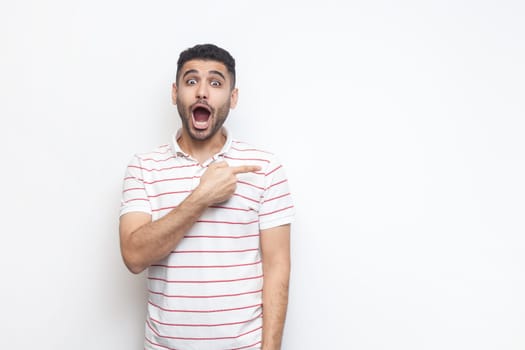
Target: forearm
[[155, 240], [275, 303]]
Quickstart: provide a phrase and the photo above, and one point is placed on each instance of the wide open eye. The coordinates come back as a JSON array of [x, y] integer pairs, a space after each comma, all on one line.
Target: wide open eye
[[191, 81], [215, 83]]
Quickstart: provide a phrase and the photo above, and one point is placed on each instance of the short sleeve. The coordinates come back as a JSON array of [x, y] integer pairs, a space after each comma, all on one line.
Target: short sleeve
[[134, 196], [276, 203]]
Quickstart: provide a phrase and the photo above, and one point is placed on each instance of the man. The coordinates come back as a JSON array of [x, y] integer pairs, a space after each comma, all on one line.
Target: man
[[207, 215]]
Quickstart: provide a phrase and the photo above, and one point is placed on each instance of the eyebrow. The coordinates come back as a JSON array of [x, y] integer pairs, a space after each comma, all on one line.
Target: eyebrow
[[218, 73], [191, 71]]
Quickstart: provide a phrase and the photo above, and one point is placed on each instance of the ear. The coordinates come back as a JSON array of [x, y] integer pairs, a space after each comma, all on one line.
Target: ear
[[234, 97], [174, 93]]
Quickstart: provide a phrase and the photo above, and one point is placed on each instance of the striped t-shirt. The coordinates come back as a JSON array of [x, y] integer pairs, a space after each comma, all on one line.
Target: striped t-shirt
[[207, 294]]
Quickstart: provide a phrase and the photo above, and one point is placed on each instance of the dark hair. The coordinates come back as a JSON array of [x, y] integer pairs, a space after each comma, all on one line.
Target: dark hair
[[207, 52]]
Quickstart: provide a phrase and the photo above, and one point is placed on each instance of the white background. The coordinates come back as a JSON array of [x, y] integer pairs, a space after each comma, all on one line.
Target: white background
[[401, 125]]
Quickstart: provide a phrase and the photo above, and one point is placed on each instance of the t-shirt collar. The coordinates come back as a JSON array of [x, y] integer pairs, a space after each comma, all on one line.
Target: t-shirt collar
[[178, 152]]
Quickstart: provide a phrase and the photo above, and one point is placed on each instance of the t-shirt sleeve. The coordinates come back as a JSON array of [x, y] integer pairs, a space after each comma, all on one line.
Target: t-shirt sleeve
[[134, 197], [277, 207]]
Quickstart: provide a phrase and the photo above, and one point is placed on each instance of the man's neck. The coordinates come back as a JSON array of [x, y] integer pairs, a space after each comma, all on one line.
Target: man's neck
[[201, 150]]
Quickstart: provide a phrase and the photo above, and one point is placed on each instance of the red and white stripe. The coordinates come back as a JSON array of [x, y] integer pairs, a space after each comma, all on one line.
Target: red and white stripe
[[207, 294]]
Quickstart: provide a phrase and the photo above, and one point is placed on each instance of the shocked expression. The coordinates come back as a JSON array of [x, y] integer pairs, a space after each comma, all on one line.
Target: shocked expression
[[203, 95]]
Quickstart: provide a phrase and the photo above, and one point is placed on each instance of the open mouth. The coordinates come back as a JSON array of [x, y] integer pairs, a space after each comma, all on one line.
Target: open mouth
[[201, 116]]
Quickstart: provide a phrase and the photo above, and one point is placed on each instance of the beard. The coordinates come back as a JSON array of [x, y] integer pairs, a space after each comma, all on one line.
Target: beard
[[217, 118]]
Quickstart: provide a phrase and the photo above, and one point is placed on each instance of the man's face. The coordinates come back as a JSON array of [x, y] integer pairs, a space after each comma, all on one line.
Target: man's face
[[203, 95]]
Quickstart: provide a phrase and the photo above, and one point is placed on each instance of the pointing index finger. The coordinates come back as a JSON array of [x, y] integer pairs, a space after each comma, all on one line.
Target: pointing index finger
[[245, 169]]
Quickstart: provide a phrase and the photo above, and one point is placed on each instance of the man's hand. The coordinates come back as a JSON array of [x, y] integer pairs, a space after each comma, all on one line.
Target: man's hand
[[220, 181], [144, 242]]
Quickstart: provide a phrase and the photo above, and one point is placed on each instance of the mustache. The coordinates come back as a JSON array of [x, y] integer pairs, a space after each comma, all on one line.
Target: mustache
[[202, 102]]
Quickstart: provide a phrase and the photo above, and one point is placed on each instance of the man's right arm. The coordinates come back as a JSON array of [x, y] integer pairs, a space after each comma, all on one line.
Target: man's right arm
[[144, 242]]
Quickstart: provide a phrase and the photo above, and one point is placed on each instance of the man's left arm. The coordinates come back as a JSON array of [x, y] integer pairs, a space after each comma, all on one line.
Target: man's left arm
[[275, 249]]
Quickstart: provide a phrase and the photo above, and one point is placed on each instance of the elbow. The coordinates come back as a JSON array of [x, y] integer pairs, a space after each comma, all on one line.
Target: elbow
[[135, 269], [133, 264], [279, 269]]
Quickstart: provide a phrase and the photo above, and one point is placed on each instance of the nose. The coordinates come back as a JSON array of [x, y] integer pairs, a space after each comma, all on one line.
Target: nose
[[202, 91]]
